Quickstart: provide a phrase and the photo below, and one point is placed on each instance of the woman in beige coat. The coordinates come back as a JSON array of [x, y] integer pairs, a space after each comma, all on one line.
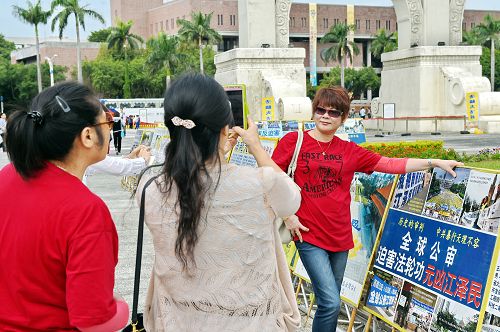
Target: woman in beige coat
[[219, 264]]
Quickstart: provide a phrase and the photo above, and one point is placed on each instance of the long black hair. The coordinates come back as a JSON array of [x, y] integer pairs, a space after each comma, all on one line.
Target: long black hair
[[47, 131], [202, 100]]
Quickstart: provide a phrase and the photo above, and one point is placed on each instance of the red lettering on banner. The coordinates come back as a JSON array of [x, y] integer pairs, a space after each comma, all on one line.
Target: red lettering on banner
[[439, 280], [449, 284], [429, 273], [462, 288], [475, 293]]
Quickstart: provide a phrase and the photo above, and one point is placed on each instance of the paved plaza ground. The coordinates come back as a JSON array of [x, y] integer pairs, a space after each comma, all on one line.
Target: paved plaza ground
[[125, 211]]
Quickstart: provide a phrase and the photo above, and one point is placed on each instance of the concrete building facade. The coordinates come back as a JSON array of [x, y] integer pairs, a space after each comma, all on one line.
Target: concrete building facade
[[154, 16]]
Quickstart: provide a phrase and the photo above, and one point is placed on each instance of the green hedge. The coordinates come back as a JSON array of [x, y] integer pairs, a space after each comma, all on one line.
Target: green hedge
[[428, 149]]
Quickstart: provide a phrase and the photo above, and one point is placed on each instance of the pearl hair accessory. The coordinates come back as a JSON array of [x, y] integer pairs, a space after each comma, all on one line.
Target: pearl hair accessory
[[188, 124]]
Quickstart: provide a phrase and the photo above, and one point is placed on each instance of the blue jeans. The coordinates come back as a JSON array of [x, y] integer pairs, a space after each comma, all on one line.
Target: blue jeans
[[326, 270]]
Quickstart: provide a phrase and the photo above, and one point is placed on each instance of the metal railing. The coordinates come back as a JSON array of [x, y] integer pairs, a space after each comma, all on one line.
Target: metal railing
[[420, 118]]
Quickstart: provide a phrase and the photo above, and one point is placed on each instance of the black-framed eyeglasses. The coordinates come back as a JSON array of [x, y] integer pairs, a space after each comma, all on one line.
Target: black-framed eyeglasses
[[333, 113], [109, 123]]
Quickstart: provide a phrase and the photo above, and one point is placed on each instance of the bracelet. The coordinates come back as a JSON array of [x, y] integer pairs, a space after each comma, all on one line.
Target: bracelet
[[429, 163]]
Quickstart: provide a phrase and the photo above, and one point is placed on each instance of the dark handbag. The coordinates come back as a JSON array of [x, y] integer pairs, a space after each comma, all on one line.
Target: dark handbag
[[136, 323]]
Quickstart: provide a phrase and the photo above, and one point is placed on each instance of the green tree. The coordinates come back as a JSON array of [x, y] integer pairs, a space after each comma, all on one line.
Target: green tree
[[383, 42], [489, 30], [198, 30], [163, 56], [342, 47], [34, 15], [472, 37], [357, 81], [72, 7], [99, 36], [6, 47], [120, 39], [485, 61]]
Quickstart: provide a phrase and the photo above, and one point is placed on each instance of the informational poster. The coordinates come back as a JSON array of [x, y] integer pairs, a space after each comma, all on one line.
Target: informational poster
[[276, 129], [351, 130], [369, 198], [438, 248], [241, 156]]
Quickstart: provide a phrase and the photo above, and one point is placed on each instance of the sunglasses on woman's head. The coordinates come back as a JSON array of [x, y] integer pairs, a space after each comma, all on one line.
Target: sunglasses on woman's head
[[333, 113]]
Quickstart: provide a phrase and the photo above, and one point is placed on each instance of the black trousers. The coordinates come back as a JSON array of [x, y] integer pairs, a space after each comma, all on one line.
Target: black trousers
[[117, 140]]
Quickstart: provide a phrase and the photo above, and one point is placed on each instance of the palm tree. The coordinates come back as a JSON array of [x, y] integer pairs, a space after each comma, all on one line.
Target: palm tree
[[34, 15], [163, 54], [383, 43], [197, 30], [120, 39], [342, 47], [72, 7], [473, 37], [490, 30]]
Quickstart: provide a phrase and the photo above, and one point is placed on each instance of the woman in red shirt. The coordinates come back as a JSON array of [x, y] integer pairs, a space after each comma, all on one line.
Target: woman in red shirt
[[325, 168], [58, 243]]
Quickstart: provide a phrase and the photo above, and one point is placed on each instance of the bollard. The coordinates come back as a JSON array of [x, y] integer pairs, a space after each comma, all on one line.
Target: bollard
[[378, 134], [406, 133], [465, 131], [436, 127]]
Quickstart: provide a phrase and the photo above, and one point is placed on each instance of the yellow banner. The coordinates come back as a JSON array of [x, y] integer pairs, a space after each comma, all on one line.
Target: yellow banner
[[313, 37], [268, 109], [472, 106]]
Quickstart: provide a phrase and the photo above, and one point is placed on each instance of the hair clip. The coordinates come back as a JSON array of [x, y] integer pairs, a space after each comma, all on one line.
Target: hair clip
[[36, 116], [188, 124], [63, 104]]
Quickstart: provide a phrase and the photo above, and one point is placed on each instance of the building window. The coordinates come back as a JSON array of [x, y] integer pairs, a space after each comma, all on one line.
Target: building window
[[388, 25], [232, 19], [172, 23], [367, 24], [220, 19], [377, 24], [472, 25], [335, 21], [161, 25], [166, 25], [156, 27], [358, 24], [151, 28], [303, 21], [325, 23], [292, 20]]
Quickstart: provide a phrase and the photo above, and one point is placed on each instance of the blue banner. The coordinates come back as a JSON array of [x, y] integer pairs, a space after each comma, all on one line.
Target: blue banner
[[381, 293], [444, 258]]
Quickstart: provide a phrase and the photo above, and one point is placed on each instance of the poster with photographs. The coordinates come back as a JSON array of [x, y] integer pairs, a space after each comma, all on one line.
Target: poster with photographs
[[369, 197], [411, 191], [446, 195], [436, 227], [491, 321]]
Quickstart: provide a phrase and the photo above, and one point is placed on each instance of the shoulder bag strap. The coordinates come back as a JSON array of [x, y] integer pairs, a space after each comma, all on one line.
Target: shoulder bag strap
[[293, 162], [138, 257]]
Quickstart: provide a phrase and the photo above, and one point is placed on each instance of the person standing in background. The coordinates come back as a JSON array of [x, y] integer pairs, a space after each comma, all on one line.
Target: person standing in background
[[3, 125], [138, 122]]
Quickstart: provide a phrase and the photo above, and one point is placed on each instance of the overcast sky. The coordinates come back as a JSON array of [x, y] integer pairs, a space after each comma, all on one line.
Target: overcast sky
[[12, 27]]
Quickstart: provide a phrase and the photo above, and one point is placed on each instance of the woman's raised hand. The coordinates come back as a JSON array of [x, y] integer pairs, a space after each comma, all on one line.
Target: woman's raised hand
[[249, 136]]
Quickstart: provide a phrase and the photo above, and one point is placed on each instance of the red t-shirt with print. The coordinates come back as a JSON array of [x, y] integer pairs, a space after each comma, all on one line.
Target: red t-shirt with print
[[325, 181], [58, 249]]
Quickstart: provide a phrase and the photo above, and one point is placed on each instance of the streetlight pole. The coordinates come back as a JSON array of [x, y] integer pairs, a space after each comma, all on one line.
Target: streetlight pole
[[51, 69]]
